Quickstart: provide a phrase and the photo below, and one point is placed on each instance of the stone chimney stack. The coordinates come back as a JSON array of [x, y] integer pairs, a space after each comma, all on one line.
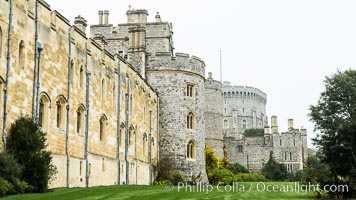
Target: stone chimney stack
[[158, 17], [290, 124], [106, 17], [100, 14], [267, 130], [81, 23], [274, 124], [210, 75]]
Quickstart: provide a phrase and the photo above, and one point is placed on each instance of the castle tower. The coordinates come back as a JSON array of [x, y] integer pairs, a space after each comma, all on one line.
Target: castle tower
[[179, 81], [244, 108], [214, 115]]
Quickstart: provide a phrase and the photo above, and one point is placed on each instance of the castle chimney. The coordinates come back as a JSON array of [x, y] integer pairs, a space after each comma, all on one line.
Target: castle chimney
[[158, 17], [81, 23], [274, 124], [210, 75], [290, 124], [100, 14], [267, 130], [106, 17]]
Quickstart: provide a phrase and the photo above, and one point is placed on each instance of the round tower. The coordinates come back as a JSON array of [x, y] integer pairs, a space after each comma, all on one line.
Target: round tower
[[214, 115], [179, 81], [244, 108]]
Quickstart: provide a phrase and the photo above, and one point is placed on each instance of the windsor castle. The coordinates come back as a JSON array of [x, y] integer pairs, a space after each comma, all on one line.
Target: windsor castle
[[120, 101]]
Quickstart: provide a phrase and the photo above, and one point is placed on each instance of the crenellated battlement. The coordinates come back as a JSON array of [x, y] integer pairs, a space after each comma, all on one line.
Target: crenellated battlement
[[181, 61], [242, 92]]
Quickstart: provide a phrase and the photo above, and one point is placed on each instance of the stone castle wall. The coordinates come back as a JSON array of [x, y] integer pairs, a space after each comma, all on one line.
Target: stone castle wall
[[214, 115], [288, 148], [53, 35], [150, 44]]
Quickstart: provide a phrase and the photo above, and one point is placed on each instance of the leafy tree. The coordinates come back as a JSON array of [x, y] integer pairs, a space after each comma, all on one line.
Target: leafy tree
[[254, 132], [335, 117], [27, 142], [237, 168], [316, 171], [10, 170], [274, 171], [211, 159]]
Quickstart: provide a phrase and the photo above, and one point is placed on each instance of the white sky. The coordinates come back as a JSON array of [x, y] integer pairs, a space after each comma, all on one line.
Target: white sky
[[283, 47]]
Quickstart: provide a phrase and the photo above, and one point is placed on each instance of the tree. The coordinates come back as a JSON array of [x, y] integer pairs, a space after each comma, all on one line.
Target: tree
[[10, 170], [211, 159], [27, 142], [334, 116], [237, 168], [274, 171]]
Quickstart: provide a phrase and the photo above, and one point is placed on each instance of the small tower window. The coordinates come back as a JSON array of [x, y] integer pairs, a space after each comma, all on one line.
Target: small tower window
[[21, 56], [244, 126], [102, 128], [226, 125], [190, 121], [190, 90], [191, 150], [239, 148], [81, 77]]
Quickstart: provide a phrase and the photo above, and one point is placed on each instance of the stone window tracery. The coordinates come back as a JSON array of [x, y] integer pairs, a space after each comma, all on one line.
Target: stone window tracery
[[191, 150]]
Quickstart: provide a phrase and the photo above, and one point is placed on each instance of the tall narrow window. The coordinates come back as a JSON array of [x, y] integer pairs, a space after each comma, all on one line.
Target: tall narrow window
[[191, 150], [60, 106], [103, 165], [190, 90], [290, 156], [244, 126], [1, 42], [41, 112], [21, 56], [81, 77], [285, 155], [102, 128], [144, 141], [2, 86], [80, 168], [239, 148], [80, 120], [113, 97], [226, 125], [190, 121], [72, 71], [103, 90]]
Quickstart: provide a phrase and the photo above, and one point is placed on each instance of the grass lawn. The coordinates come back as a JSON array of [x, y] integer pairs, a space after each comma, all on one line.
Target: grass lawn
[[247, 190]]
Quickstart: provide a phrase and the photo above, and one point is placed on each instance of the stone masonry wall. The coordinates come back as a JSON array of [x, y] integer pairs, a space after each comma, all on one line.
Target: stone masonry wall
[[53, 35]]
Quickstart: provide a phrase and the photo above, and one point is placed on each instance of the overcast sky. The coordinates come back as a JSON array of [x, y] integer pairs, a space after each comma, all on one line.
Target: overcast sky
[[283, 47]]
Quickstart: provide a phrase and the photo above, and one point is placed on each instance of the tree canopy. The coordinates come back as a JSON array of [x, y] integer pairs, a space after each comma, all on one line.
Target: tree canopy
[[334, 116]]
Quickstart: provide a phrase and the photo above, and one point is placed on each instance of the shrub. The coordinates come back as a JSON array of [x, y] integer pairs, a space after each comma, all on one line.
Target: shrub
[[242, 177], [21, 187], [216, 176], [5, 187], [237, 168], [254, 132], [274, 171], [10, 170], [176, 178], [160, 183], [27, 142]]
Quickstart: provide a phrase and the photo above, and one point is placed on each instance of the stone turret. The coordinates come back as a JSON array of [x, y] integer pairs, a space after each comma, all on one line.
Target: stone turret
[[274, 124], [81, 23], [137, 16]]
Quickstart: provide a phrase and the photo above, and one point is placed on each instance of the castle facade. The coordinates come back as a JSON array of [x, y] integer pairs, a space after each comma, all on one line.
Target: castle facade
[[119, 102]]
